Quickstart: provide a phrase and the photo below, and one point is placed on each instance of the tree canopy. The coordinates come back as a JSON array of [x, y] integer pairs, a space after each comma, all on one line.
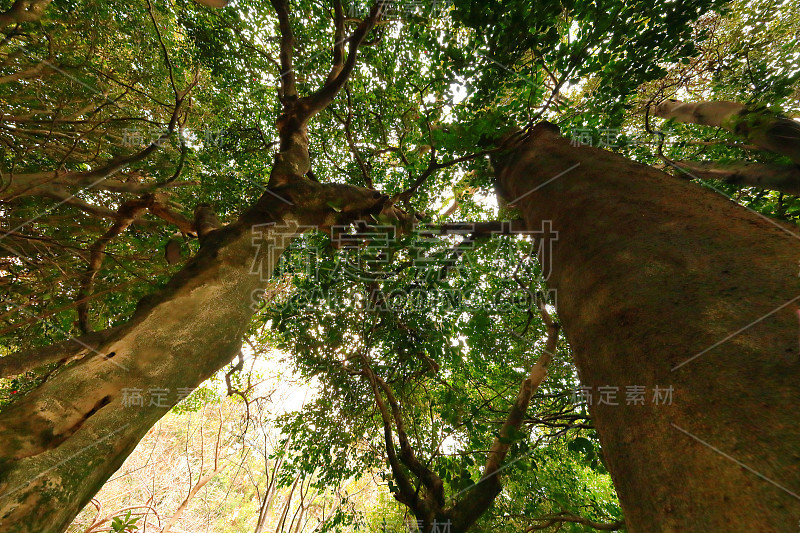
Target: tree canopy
[[131, 131]]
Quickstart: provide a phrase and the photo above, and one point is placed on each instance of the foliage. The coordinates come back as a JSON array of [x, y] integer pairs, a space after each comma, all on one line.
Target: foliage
[[453, 339]]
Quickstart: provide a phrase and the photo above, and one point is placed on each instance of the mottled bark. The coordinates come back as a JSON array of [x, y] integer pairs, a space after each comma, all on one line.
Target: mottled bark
[[757, 124], [63, 440], [22, 11], [783, 178], [662, 283], [62, 352]]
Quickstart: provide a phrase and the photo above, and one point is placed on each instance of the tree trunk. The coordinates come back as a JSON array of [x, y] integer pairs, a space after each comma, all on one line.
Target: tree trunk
[[62, 441], [661, 283]]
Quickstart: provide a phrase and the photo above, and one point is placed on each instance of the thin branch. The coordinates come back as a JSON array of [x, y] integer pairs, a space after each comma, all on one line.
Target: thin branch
[[348, 133], [288, 80], [167, 60], [325, 95], [126, 215]]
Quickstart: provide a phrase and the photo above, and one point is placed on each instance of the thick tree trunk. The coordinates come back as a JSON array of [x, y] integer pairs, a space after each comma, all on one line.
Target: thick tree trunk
[[661, 283], [62, 441]]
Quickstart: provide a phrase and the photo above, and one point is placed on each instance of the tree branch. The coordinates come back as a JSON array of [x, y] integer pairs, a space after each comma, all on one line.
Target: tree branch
[[23, 11], [553, 519], [339, 39], [480, 497], [288, 90], [125, 217], [769, 176], [61, 352], [348, 133], [407, 495], [325, 95], [755, 123]]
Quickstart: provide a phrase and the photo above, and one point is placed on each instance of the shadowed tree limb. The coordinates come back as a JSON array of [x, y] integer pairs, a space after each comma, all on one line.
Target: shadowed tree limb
[[756, 123], [478, 498], [288, 88], [61, 352], [205, 221], [769, 176], [431, 508], [325, 95], [566, 517], [406, 493], [23, 11], [125, 216], [292, 162], [338, 41]]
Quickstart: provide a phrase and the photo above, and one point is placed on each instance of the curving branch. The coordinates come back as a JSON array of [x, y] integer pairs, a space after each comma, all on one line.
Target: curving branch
[[64, 197], [566, 517], [769, 176], [339, 39], [406, 494], [475, 502], [347, 122], [288, 89], [756, 123], [428, 477], [293, 163], [125, 216], [325, 95], [161, 210]]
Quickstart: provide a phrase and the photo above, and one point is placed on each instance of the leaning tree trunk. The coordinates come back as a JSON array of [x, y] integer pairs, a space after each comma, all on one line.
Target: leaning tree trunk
[[62, 441], [661, 283]]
